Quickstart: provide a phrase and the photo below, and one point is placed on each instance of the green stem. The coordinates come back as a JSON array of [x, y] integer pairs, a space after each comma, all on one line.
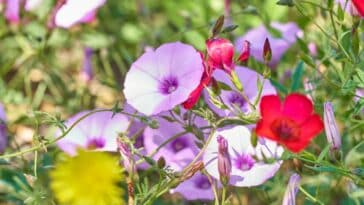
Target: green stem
[[223, 197], [308, 195]]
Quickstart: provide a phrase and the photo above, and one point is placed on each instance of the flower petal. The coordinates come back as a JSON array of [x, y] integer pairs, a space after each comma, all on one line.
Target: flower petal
[[297, 107]]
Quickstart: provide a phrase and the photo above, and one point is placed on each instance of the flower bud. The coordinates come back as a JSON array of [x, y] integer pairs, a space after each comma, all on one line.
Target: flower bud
[[126, 155], [292, 189], [331, 130], [220, 54], [86, 72], [359, 5], [267, 51], [245, 53], [223, 160]]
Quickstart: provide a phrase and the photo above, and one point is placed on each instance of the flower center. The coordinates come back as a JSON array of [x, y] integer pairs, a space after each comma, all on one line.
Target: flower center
[[95, 143], [168, 85], [202, 183], [244, 162], [179, 144], [236, 99], [285, 129]]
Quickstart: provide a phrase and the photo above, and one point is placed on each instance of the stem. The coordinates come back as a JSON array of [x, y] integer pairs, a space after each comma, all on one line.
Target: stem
[[308, 195], [223, 197]]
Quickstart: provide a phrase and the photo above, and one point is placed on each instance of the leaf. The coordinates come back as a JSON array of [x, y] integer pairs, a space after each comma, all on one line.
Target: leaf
[[279, 86], [286, 3], [297, 77], [230, 28], [323, 154]]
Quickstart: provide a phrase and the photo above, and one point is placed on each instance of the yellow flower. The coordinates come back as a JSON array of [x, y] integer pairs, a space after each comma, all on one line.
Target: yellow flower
[[90, 178]]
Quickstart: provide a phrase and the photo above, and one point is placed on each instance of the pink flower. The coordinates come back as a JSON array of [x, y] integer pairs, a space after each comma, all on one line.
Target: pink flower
[[248, 167], [98, 131], [12, 11], [162, 79], [77, 11]]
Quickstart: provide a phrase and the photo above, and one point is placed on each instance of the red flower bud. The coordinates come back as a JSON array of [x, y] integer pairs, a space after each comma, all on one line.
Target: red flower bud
[[220, 54], [359, 5], [245, 53]]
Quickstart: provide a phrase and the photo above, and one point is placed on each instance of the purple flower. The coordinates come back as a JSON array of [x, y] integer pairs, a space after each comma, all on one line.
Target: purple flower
[[292, 189], [179, 152], [331, 129], [3, 132], [77, 11], [12, 11], [279, 45], [248, 166], [98, 131], [87, 73], [233, 98], [197, 187], [161, 79]]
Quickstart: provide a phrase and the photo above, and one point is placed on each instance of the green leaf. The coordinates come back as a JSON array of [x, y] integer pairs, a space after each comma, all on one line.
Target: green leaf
[[229, 29], [279, 86], [323, 154], [297, 77], [286, 3]]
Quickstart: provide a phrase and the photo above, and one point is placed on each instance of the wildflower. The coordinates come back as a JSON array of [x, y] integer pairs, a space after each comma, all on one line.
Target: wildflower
[[88, 178], [3, 132], [292, 189], [331, 130], [178, 152], [76, 11], [223, 160], [195, 94], [359, 5], [233, 98], [245, 53], [197, 187], [220, 54], [247, 162], [12, 11], [291, 123], [279, 45], [87, 73], [96, 132], [312, 48], [162, 79], [267, 51]]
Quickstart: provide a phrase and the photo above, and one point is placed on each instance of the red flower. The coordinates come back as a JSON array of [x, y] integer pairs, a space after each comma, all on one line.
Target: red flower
[[359, 5], [291, 123], [195, 95], [245, 53], [220, 53]]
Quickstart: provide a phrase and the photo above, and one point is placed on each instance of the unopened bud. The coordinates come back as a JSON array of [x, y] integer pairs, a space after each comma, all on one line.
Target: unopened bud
[[245, 53], [223, 160], [220, 54], [126, 155], [292, 189], [331, 130], [267, 51]]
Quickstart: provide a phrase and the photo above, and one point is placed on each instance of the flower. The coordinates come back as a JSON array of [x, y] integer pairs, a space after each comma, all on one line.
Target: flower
[[3, 132], [31, 5], [87, 73], [96, 132], [197, 187], [76, 11], [331, 130], [88, 178], [248, 168], [220, 53], [12, 11], [179, 152], [359, 5], [232, 98], [279, 46], [292, 189], [161, 79], [291, 123]]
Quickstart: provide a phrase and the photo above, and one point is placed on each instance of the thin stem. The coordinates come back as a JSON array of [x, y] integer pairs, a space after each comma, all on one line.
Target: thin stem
[[308, 195], [223, 197]]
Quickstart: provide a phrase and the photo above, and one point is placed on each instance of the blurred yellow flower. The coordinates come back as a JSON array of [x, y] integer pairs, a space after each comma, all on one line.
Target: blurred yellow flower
[[90, 178]]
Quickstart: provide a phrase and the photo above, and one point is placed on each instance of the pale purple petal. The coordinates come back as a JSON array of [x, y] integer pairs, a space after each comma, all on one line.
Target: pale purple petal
[[12, 11], [197, 187], [240, 148], [161, 79], [279, 46], [248, 79], [98, 131], [74, 11], [3, 132], [292, 189]]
